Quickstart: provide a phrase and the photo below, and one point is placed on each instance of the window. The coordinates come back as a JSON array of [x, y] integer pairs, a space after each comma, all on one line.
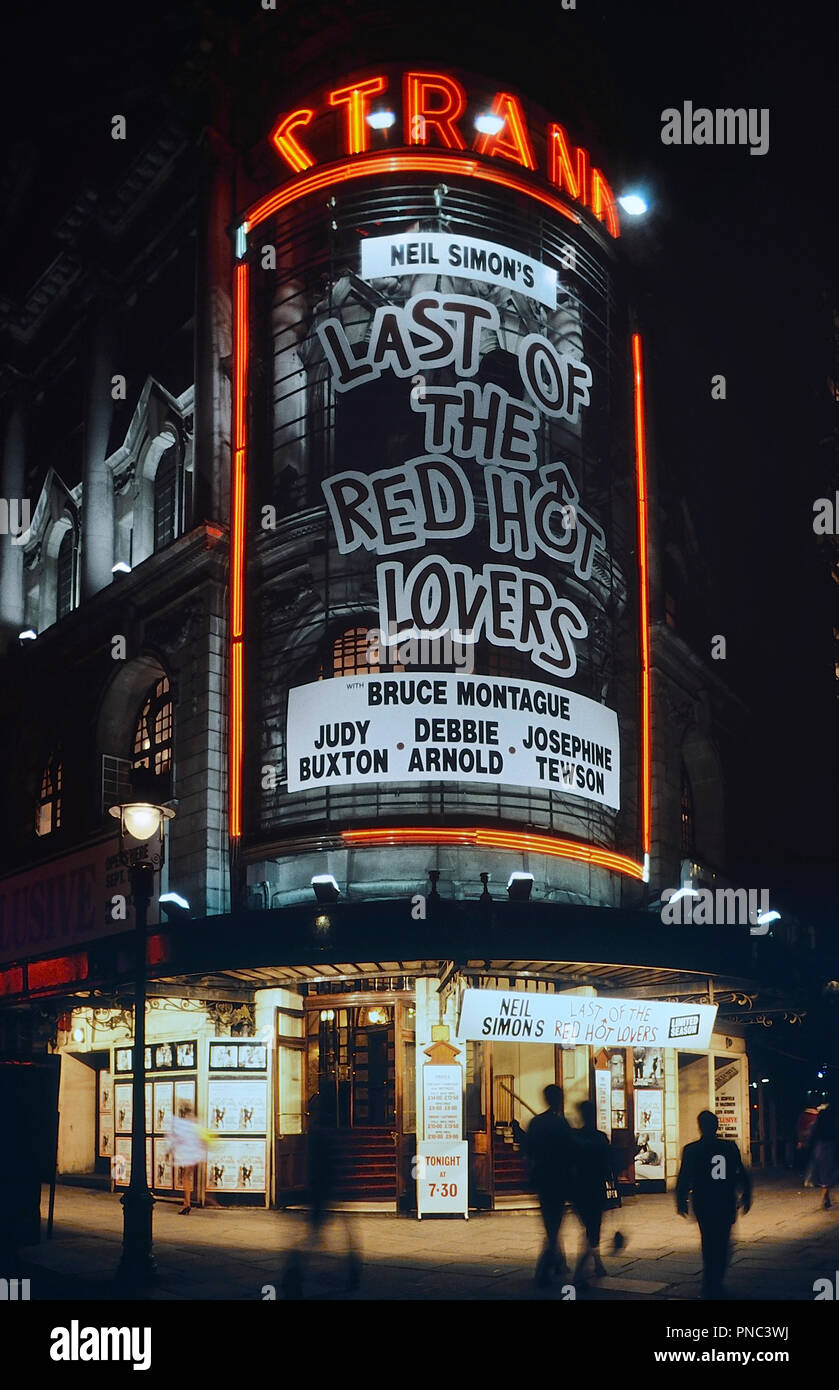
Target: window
[[355, 653], [64, 574], [166, 499], [688, 828], [153, 735], [48, 810]]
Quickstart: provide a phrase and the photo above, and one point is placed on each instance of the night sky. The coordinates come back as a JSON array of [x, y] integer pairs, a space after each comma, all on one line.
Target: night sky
[[737, 275]]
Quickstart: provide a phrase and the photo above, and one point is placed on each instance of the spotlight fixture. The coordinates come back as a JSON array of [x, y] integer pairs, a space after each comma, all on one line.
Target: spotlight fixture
[[434, 879], [121, 568], [485, 896], [634, 204], [28, 635], [519, 886], [174, 905], [381, 120], [78, 1035], [488, 123], [763, 918], [326, 888]]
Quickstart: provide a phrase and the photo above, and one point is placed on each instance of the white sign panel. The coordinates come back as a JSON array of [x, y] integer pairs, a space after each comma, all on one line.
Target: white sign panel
[[602, 1100], [469, 257], [452, 728], [584, 1021], [442, 1102], [442, 1179]]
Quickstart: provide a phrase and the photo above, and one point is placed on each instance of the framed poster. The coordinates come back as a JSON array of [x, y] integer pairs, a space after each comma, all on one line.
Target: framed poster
[[184, 1099], [237, 1165], [121, 1162], [123, 1107], [229, 1055], [224, 1056], [106, 1093], [163, 1174], [162, 1105], [185, 1055], [649, 1155], [122, 1059], [149, 1114], [649, 1110], [253, 1056], [237, 1106], [618, 1101], [648, 1066], [164, 1057]]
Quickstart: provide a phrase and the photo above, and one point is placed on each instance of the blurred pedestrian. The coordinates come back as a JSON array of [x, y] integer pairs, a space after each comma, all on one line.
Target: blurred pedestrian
[[549, 1148], [825, 1154], [712, 1170], [321, 1164], [593, 1175], [188, 1146]]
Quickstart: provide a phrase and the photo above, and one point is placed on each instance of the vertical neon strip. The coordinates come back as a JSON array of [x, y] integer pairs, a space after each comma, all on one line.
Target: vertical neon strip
[[641, 476], [237, 543]]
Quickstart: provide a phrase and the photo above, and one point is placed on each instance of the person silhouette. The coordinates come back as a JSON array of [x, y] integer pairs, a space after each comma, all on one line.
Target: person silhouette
[[712, 1170], [593, 1170], [549, 1147]]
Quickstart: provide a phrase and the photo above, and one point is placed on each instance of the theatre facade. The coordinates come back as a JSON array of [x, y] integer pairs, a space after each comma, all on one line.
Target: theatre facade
[[376, 603]]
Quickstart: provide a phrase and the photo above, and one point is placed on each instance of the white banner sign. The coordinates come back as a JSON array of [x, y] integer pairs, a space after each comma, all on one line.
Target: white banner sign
[[452, 728], [574, 1020], [442, 1172], [442, 1102], [437, 253]]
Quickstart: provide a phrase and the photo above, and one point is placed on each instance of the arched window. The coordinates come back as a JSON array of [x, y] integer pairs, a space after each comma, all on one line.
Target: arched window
[[688, 826], [48, 810], [65, 586], [166, 499], [355, 652], [152, 748]]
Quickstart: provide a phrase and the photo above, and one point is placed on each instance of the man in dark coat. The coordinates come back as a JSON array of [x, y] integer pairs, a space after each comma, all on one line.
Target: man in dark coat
[[550, 1149], [713, 1171]]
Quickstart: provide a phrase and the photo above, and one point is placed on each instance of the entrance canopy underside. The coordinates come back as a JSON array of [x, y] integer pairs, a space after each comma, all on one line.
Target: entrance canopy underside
[[640, 982]]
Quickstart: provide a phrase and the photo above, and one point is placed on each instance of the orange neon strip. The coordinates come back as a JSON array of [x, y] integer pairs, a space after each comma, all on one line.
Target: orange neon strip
[[512, 141], [641, 471], [603, 203], [560, 171], [354, 98], [419, 115], [365, 165], [292, 152], [477, 837]]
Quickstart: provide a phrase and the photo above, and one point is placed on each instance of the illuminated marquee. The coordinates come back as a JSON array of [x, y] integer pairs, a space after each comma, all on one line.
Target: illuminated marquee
[[435, 110]]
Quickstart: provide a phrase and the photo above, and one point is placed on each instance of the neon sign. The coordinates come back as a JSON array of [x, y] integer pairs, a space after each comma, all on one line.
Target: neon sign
[[436, 111]]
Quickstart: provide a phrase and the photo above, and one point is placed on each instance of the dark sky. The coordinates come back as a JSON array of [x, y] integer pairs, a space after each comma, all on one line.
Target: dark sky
[[737, 274]]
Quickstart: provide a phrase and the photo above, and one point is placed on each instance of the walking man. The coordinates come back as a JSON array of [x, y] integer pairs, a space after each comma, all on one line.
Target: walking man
[[713, 1171], [550, 1150]]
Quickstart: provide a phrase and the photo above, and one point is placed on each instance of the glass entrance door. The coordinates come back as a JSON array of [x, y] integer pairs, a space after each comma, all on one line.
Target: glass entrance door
[[351, 1065]]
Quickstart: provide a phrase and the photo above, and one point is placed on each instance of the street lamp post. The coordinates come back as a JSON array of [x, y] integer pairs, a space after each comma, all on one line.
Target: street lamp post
[[141, 821]]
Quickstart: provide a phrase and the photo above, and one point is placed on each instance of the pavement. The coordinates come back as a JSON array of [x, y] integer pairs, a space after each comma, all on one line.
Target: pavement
[[783, 1245]]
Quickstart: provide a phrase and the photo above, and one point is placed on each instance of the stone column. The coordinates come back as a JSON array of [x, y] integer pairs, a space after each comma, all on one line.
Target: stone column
[[97, 491], [11, 556], [213, 280]]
